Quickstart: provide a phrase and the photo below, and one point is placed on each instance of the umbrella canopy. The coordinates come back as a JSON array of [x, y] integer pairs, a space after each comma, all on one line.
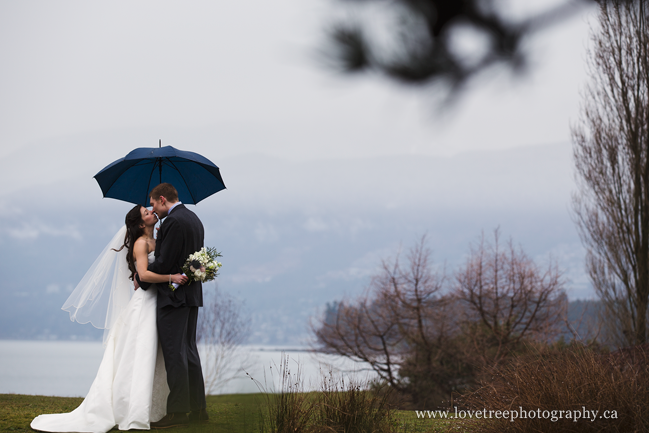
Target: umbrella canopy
[[133, 177]]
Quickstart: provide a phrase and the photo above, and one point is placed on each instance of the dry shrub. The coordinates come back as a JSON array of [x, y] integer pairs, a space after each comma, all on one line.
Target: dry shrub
[[288, 409], [347, 406], [568, 380], [340, 406]]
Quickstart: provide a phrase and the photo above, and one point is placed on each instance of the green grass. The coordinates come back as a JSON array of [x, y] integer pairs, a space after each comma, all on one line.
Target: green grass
[[236, 413], [233, 413], [17, 411], [409, 423]]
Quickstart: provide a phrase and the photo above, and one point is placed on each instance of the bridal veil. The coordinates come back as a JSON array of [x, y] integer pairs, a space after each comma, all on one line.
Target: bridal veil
[[105, 289]]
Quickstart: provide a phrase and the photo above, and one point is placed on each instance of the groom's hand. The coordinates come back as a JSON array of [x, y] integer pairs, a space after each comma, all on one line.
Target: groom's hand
[[135, 282]]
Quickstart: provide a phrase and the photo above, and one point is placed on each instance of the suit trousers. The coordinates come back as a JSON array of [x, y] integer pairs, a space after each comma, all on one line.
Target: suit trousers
[[177, 334]]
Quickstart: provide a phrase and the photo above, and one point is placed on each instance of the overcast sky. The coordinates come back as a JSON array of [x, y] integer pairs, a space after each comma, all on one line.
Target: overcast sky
[[244, 77], [84, 82]]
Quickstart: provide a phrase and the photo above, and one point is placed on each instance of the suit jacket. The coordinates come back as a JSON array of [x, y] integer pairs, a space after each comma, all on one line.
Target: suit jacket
[[180, 235]]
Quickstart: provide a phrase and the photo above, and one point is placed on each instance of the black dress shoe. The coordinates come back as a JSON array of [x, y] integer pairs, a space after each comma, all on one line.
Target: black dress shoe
[[198, 416], [171, 420]]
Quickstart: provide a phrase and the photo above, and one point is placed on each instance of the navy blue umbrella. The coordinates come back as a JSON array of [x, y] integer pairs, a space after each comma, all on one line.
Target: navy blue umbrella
[[133, 177]]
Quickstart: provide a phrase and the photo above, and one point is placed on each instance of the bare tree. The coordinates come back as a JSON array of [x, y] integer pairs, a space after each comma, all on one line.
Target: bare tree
[[363, 331], [427, 341], [611, 144], [221, 331], [402, 309], [508, 299]]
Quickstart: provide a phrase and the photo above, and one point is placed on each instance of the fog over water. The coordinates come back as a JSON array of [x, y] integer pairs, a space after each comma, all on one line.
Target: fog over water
[[67, 369]]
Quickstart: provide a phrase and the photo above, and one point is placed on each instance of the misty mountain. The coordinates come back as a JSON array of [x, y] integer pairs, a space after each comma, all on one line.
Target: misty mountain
[[294, 234]]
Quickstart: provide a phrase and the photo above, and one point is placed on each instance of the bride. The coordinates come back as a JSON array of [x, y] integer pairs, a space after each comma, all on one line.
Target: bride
[[130, 390]]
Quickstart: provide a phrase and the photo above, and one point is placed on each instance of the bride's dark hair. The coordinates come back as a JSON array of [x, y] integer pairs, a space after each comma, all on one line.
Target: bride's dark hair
[[134, 230]]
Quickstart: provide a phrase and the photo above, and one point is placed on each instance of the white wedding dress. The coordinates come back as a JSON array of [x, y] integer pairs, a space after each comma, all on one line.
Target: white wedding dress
[[130, 390]]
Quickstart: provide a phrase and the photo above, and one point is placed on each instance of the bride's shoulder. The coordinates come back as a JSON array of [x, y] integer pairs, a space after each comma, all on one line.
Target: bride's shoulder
[[140, 246], [144, 244]]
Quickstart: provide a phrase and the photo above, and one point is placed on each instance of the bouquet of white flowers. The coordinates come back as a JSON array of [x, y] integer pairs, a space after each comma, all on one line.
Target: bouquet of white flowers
[[201, 266]]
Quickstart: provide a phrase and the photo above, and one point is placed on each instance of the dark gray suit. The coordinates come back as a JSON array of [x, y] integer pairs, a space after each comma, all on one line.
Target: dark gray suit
[[180, 235]]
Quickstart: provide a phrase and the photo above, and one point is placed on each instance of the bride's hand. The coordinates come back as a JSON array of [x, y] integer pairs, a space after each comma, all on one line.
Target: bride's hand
[[179, 279]]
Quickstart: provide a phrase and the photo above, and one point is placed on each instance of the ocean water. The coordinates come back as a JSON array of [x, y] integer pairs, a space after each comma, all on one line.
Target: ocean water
[[68, 368]]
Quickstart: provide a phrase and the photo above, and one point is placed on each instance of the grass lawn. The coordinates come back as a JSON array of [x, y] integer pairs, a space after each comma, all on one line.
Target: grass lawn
[[233, 413]]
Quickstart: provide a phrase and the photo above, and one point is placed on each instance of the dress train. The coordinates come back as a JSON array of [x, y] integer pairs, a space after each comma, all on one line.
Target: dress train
[[130, 390]]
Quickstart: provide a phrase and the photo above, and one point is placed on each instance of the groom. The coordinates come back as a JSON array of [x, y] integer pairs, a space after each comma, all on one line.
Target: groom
[[180, 235]]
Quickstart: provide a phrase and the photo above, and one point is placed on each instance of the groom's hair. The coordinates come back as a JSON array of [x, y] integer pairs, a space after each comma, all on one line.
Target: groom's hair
[[165, 190]]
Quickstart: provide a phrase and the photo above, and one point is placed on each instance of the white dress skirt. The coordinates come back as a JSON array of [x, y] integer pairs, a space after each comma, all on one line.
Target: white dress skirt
[[130, 390]]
